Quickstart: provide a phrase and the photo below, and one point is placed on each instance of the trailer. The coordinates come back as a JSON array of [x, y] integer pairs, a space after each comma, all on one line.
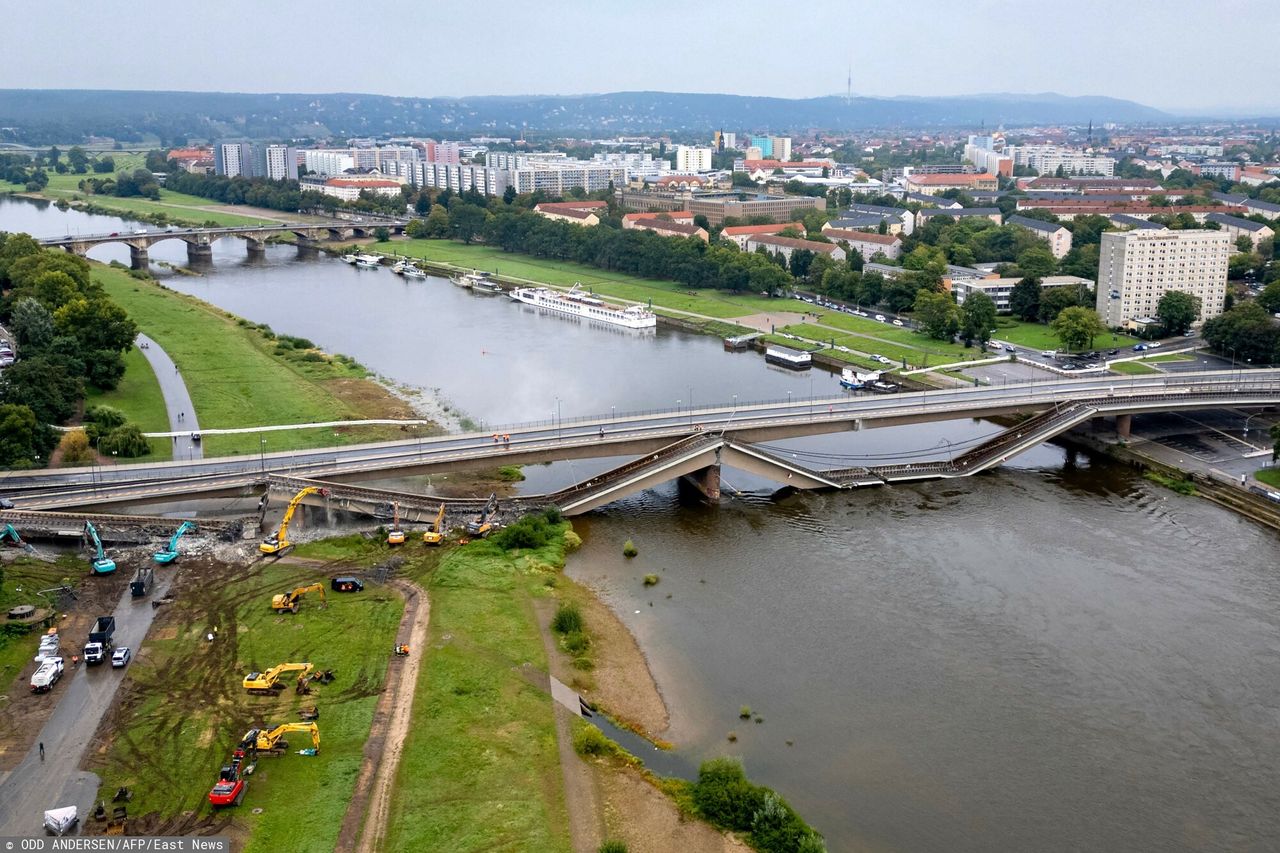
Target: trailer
[[142, 581], [62, 820]]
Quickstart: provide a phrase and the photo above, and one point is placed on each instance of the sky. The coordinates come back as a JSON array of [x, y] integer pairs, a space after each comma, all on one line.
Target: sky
[[1186, 56]]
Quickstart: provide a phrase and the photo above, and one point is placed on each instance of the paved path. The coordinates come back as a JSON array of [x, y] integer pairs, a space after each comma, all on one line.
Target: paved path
[[182, 414], [86, 695]]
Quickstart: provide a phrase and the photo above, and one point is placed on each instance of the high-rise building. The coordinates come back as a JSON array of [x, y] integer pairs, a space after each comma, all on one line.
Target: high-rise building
[[764, 143], [233, 159], [691, 158], [443, 152], [1136, 268], [328, 161], [730, 140], [781, 147], [281, 162]]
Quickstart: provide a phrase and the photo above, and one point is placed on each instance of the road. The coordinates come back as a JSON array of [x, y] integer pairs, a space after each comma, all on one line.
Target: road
[[604, 435], [86, 695], [177, 401]]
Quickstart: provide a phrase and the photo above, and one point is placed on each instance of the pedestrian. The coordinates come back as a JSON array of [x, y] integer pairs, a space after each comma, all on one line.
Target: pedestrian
[[602, 432], [42, 750], [506, 439]]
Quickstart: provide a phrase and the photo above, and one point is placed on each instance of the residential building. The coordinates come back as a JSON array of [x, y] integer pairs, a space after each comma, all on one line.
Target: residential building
[[1053, 233], [999, 289], [1124, 220], [1250, 205], [1228, 170], [934, 184], [740, 234], [281, 162], [233, 159], [328, 161], [1237, 227], [673, 183], [763, 169], [992, 213], [666, 227], [932, 200], [692, 159], [1068, 209], [683, 216], [449, 153], [458, 177], [555, 173], [781, 148], [987, 154], [1136, 268], [718, 206], [577, 212], [764, 143], [753, 152], [1048, 159], [729, 140], [349, 187], [1090, 185], [1183, 149], [867, 244], [784, 246]]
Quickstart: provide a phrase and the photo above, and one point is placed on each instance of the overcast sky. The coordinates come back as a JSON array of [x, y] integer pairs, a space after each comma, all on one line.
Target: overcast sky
[[1215, 56]]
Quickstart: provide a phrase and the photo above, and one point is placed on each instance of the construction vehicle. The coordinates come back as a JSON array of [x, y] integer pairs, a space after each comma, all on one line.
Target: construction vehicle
[[230, 788], [278, 544], [269, 682], [288, 601], [43, 679], [100, 640], [142, 581], [270, 740], [170, 553], [483, 523], [346, 583], [9, 536], [434, 534], [101, 564], [402, 650], [395, 536], [304, 682]]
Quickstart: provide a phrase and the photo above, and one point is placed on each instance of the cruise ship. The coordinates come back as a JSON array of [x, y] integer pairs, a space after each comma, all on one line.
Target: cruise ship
[[578, 303]]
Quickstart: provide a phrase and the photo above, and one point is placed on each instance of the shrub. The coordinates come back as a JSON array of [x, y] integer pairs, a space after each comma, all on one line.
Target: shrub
[[552, 514], [572, 541], [588, 740], [744, 713], [127, 441], [530, 531], [510, 474], [650, 580], [75, 448], [568, 619], [724, 796], [613, 846], [629, 549], [576, 642]]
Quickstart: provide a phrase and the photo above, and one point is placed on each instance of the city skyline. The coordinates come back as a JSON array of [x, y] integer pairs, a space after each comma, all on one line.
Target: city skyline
[[877, 52]]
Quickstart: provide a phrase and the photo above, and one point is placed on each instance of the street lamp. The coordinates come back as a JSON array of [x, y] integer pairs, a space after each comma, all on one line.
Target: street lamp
[[1246, 423], [558, 437], [262, 455]]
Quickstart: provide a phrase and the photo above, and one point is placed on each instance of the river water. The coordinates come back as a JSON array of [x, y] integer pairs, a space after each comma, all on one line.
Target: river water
[[1055, 656]]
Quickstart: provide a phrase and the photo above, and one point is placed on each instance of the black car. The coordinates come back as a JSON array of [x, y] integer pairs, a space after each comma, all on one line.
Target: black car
[[346, 584], [1113, 352]]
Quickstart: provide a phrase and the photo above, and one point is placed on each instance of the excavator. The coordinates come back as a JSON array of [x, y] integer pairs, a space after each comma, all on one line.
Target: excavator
[[483, 523], [101, 563], [230, 788], [278, 544], [395, 536], [434, 535], [267, 683], [170, 553], [9, 536], [288, 601]]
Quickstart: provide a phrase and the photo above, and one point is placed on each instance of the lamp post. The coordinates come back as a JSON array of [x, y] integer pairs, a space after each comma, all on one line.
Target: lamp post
[[1246, 423], [262, 455], [558, 436]]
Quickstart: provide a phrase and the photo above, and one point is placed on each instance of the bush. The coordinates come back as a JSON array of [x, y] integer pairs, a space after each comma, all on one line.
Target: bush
[[530, 531], [568, 619], [744, 713], [510, 474], [127, 441], [588, 740], [650, 580], [629, 549], [613, 846], [572, 541], [724, 796], [576, 642], [75, 448]]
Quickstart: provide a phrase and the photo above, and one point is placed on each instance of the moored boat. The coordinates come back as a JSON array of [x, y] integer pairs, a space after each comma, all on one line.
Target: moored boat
[[793, 359], [368, 262], [578, 303]]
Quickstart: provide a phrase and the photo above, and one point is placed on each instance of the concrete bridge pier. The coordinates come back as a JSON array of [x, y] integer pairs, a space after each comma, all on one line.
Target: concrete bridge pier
[[307, 245], [1124, 423], [199, 254], [257, 248], [139, 257], [705, 482]]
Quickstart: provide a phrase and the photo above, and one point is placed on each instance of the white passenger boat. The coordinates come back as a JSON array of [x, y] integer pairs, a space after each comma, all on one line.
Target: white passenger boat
[[795, 359], [578, 303], [470, 280], [348, 259], [411, 271], [368, 262]]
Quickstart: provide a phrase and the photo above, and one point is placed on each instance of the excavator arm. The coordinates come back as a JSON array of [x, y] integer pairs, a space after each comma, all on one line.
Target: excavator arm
[[289, 600], [278, 542], [435, 534], [264, 682], [271, 739]]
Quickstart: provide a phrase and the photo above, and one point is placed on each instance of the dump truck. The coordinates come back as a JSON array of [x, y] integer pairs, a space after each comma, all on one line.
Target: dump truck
[[142, 581], [100, 640]]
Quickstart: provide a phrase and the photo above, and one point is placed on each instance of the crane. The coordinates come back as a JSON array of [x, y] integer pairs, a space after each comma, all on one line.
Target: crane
[[289, 600], [101, 563], [170, 553], [483, 523], [278, 543], [434, 535], [269, 681], [395, 536], [269, 740]]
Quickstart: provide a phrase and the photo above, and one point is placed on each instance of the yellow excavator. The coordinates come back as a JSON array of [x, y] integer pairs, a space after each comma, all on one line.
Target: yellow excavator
[[288, 601], [434, 535], [278, 544], [482, 524], [270, 740], [395, 536], [269, 681]]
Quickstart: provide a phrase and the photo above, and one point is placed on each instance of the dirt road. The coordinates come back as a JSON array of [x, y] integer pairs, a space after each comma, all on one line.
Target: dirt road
[[370, 809]]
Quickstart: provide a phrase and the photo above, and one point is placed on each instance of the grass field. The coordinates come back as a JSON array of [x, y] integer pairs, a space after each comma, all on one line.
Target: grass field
[[183, 707], [138, 397], [1270, 476], [238, 378], [1133, 368], [1037, 336]]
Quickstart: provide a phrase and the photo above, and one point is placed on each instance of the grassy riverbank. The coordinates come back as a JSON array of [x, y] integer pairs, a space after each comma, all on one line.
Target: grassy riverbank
[[138, 396], [183, 707], [238, 375]]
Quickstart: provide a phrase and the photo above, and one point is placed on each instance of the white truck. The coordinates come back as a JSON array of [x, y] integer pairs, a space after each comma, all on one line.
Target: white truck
[[49, 648], [47, 675], [100, 642]]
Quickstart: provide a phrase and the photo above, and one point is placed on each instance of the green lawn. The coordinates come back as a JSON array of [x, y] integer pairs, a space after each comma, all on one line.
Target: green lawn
[[1041, 337], [187, 708], [480, 770], [237, 378], [1172, 356], [138, 397], [938, 351], [1133, 368], [1270, 476]]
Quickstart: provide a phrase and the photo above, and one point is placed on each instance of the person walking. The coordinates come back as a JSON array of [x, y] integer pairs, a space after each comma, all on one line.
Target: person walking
[[42, 750]]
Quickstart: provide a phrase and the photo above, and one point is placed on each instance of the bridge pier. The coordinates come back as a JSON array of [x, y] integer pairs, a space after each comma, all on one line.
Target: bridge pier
[[256, 248], [307, 246], [704, 481], [139, 258], [199, 253], [1124, 423]]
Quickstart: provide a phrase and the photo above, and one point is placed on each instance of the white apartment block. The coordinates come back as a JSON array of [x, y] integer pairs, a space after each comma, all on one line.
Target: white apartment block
[[328, 161], [1000, 289], [691, 159], [1046, 159], [1136, 268], [282, 162], [730, 139]]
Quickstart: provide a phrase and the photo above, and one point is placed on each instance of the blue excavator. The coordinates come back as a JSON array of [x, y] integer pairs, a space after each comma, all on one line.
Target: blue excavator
[[170, 553], [101, 563], [9, 536]]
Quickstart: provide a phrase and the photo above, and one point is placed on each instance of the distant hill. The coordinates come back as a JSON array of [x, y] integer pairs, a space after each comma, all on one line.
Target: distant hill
[[46, 116]]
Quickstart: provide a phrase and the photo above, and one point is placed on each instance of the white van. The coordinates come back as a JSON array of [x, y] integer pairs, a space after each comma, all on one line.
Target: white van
[[46, 676]]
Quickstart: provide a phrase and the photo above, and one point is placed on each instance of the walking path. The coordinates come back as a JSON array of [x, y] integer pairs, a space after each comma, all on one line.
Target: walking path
[[182, 414]]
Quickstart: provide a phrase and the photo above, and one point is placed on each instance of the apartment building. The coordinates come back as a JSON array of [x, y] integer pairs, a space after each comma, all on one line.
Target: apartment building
[[692, 159], [233, 159], [740, 234], [932, 184], [1230, 171], [867, 244], [1053, 233], [281, 162], [1047, 159], [574, 212], [1136, 268], [1237, 227], [718, 206], [555, 173], [786, 245], [999, 289], [328, 161]]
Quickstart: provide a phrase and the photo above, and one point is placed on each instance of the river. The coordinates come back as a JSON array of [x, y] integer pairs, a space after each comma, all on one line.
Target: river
[[1055, 656]]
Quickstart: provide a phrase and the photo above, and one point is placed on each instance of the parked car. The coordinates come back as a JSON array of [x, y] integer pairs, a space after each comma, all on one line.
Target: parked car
[[120, 657], [897, 322], [1188, 334], [1010, 348], [346, 584], [5, 503], [879, 318], [1049, 352], [1113, 352], [1139, 347], [1067, 365]]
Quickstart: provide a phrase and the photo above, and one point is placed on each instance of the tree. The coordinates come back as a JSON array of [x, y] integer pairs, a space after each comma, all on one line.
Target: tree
[[417, 228], [50, 386], [437, 224], [1247, 331], [1269, 298], [466, 221], [1037, 262], [22, 437], [1077, 326], [1024, 299], [382, 233], [1244, 243], [1177, 311], [978, 318], [1053, 300], [78, 160], [799, 262], [509, 195], [32, 325], [104, 166], [127, 441], [75, 448], [937, 314]]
